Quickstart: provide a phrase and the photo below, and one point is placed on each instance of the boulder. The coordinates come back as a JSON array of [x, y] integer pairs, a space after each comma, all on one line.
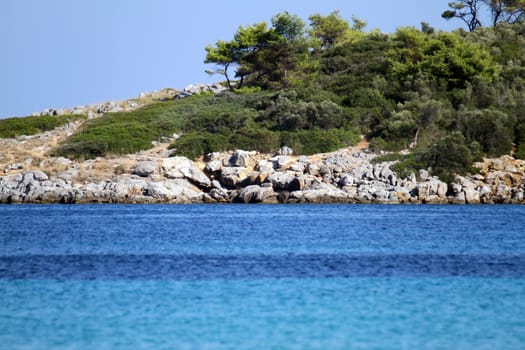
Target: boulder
[[298, 167], [321, 193], [196, 176], [459, 198], [145, 168], [213, 166], [256, 194], [230, 177], [286, 182], [265, 166], [423, 175], [471, 196], [382, 195], [39, 175], [182, 167], [401, 195], [285, 151], [179, 190], [346, 180], [241, 158], [282, 162]]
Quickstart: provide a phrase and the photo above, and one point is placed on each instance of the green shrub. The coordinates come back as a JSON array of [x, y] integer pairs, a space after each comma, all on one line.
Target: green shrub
[[130, 132], [450, 155], [520, 152], [319, 140], [13, 127], [407, 164], [251, 139], [196, 144], [388, 157]]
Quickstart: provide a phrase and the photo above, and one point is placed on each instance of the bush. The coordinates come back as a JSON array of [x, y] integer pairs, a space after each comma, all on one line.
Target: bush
[[492, 129], [13, 127], [319, 140], [449, 155], [407, 164], [288, 112], [251, 139], [196, 144], [130, 132]]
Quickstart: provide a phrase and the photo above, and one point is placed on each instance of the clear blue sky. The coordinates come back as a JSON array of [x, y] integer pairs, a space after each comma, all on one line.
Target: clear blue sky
[[63, 53]]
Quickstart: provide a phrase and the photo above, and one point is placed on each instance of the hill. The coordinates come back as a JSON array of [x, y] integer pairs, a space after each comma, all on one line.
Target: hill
[[436, 102]]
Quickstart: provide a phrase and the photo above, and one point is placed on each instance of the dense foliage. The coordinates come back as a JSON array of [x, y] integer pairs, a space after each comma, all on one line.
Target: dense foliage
[[212, 123], [448, 97], [14, 127]]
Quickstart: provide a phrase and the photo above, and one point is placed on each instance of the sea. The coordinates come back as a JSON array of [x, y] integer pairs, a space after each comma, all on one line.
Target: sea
[[262, 276]]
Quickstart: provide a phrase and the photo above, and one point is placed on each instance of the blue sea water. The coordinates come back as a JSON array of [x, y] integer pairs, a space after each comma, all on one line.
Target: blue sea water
[[262, 277]]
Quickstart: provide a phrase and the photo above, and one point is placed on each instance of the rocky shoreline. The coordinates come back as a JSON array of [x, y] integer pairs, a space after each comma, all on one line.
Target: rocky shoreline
[[346, 176], [155, 176]]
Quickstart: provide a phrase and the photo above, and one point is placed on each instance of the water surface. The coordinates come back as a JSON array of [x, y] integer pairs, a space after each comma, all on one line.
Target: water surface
[[264, 276]]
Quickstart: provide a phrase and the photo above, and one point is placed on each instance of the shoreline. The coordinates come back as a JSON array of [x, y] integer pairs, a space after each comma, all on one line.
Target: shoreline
[[346, 176]]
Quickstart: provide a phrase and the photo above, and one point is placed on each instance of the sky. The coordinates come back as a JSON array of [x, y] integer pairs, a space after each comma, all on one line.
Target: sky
[[65, 53]]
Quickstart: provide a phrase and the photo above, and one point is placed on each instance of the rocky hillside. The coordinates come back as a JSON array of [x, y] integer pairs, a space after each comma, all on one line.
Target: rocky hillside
[[349, 175]]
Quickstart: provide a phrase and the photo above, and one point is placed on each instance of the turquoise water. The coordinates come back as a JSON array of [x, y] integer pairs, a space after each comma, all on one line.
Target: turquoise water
[[262, 277]]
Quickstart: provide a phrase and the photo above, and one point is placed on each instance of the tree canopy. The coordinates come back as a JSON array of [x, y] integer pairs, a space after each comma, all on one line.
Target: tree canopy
[[471, 11], [445, 98]]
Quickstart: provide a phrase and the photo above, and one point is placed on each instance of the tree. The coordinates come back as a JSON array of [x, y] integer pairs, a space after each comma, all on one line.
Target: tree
[[466, 10], [443, 57], [469, 11], [510, 11], [240, 51], [288, 51], [449, 155], [224, 54], [264, 56], [329, 30]]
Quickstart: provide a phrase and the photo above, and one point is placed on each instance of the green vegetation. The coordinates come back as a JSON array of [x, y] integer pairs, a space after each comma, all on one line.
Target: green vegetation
[[14, 127], [449, 97]]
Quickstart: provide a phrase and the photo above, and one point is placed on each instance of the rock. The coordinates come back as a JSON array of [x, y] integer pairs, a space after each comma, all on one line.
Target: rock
[[68, 175], [286, 182], [485, 191], [241, 158], [471, 196], [116, 109], [179, 190], [181, 95], [423, 175], [281, 162], [382, 195], [442, 189], [182, 167], [256, 194], [298, 167], [213, 167], [219, 195], [39, 175], [518, 196], [459, 198], [321, 193], [145, 168], [346, 180], [456, 188], [285, 151], [217, 88], [196, 176], [265, 166], [313, 169], [402, 195], [232, 176]]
